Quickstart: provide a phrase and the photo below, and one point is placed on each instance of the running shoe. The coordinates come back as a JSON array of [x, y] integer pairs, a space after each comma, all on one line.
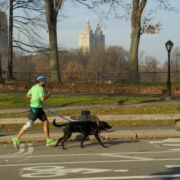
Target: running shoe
[[16, 142], [50, 142]]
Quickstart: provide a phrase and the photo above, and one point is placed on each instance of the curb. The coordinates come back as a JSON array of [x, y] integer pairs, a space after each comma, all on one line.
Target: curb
[[120, 134]]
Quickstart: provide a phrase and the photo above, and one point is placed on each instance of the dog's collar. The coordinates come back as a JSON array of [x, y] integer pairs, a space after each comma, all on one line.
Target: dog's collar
[[97, 127]]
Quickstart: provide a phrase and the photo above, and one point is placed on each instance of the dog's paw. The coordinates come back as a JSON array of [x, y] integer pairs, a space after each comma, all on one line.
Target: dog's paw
[[105, 146], [56, 145]]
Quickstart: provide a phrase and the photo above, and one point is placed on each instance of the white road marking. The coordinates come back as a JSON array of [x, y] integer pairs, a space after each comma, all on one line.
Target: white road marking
[[175, 140], [21, 152], [87, 162], [30, 151], [171, 144], [174, 149], [125, 177], [172, 166], [155, 142], [164, 142], [121, 170], [172, 140], [96, 154], [121, 155], [124, 156], [56, 171], [155, 145]]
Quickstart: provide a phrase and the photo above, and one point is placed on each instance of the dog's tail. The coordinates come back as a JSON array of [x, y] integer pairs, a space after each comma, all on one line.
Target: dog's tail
[[58, 125]]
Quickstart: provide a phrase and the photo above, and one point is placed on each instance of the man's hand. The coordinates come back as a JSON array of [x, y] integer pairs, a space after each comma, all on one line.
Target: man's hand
[[28, 96], [49, 93], [43, 98]]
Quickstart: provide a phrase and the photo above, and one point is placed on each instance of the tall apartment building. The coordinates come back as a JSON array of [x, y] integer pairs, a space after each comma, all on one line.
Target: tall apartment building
[[89, 41], [3, 31]]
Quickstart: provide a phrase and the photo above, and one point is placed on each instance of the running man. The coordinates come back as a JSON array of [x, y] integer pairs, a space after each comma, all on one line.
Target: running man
[[37, 96]]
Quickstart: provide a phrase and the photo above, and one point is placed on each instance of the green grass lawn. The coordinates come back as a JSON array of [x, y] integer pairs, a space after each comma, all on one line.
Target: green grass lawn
[[18, 100]]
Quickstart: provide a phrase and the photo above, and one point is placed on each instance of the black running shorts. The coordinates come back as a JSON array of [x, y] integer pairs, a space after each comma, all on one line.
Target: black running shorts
[[37, 113]]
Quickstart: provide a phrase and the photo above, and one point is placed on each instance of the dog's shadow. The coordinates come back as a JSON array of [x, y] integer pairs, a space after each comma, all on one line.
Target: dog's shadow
[[94, 143], [107, 142], [117, 142]]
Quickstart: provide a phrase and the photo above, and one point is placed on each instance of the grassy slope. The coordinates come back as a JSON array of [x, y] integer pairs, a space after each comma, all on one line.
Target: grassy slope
[[18, 100]]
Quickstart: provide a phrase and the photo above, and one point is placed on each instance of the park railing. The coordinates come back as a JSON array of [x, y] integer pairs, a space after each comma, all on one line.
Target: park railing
[[107, 78], [103, 82]]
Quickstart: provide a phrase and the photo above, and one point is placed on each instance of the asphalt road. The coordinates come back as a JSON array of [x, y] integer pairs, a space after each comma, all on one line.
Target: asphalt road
[[123, 159]]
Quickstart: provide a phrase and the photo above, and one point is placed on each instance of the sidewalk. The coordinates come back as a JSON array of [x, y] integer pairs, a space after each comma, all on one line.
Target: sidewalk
[[145, 132], [128, 133]]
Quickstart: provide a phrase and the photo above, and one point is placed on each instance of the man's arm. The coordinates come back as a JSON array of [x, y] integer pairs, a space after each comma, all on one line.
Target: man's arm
[[28, 96], [43, 98]]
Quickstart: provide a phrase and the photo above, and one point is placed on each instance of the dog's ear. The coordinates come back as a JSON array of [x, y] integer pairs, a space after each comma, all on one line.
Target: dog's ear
[[54, 120], [101, 124]]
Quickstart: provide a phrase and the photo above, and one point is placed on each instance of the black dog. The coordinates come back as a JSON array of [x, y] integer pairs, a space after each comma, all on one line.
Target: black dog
[[84, 127]]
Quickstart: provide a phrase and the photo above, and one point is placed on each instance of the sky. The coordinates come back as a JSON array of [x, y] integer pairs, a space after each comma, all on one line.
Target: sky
[[117, 32]]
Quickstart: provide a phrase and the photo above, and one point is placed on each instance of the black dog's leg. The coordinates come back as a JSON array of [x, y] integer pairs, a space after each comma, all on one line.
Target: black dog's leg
[[85, 136], [63, 144], [59, 140], [67, 135], [97, 137]]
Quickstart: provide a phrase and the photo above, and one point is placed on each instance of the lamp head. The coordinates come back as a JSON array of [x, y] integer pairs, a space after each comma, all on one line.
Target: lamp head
[[169, 46]]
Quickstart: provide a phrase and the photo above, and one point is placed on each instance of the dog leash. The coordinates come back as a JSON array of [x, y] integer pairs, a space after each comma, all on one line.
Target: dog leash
[[57, 114]]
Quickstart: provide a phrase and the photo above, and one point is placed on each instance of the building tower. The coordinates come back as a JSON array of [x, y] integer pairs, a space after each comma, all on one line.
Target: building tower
[[99, 37], [89, 41], [86, 38], [3, 31]]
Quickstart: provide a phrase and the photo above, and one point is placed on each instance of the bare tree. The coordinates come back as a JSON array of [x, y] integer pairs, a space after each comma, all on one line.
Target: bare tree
[[175, 59], [10, 48], [52, 9], [118, 59], [3, 5], [150, 64], [28, 38], [139, 23], [1, 78], [3, 36], [150, 68]]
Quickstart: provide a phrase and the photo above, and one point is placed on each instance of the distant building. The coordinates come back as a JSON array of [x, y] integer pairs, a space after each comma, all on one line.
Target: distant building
[[90, 41], [3, 31]]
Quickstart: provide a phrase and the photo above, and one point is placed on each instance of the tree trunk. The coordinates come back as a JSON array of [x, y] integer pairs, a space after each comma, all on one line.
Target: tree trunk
[[135, 38], [138, 7], [1, 78], [51, 18], [54, 62], [10, 48]]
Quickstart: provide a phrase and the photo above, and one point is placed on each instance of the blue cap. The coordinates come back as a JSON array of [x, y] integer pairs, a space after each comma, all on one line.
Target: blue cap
[[41, 78]]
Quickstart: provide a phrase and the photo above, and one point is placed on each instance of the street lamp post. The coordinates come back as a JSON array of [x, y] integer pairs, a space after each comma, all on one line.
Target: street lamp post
[[169, 46]]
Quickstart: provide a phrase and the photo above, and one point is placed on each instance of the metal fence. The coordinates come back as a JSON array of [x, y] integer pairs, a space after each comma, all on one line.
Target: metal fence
[[120, 83], [103, 78]]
